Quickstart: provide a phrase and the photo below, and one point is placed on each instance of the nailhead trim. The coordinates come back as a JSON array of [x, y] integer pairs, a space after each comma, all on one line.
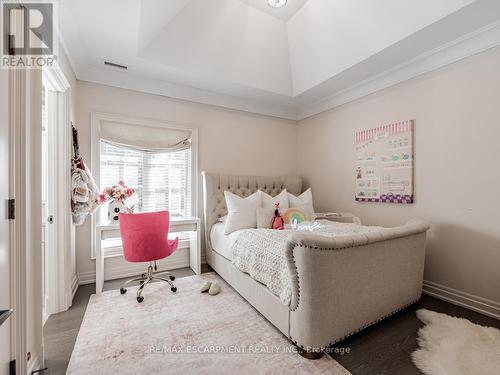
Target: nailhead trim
[[295, 264], [314, 248], [298, 282], [298, 295], [361, 328]]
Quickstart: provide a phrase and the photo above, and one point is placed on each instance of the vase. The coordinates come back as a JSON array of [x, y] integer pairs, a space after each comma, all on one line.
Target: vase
[[114, 208]]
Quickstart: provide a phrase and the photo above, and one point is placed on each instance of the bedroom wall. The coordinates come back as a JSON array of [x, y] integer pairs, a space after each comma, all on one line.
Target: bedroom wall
[[457, 113], [231, 142]]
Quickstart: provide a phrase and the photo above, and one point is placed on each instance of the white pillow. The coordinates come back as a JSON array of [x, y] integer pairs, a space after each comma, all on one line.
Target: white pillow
[[264, 217], [241, 212], [303, 202], [281, 198]]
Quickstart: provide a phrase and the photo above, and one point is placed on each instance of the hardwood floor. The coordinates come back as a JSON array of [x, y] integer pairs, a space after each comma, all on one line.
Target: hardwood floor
[[382, 349], [385, 348]]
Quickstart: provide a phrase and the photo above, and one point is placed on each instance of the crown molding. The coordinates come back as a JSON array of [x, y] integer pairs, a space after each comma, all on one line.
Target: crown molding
[[468, 45], [130, 81]]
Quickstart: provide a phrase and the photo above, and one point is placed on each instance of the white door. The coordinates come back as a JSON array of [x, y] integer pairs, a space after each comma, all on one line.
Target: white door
[[50, 223], [5, 303]]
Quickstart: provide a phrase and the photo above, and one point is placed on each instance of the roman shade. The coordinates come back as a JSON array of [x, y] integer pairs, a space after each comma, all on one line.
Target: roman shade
[[145, 138]]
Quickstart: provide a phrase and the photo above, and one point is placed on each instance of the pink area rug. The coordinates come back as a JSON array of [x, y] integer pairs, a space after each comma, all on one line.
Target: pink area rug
[[184, 333]]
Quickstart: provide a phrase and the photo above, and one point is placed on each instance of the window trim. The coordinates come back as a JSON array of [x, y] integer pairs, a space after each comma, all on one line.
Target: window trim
[[96, 118]]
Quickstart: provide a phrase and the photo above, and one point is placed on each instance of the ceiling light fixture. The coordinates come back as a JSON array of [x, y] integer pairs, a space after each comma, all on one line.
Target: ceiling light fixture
[[276, 3]]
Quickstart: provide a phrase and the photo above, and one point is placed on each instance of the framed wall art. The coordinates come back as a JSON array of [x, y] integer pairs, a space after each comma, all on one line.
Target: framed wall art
[[384, 163]]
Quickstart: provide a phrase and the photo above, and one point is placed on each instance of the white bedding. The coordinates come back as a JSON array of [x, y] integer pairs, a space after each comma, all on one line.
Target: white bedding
[[223, 243], [261, 253]]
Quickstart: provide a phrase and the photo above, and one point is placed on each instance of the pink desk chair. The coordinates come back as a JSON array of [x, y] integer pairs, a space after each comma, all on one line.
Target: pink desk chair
[[144, 239]]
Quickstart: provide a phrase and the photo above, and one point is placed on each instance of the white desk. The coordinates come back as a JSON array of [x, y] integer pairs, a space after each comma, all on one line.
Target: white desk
[[191, 225]]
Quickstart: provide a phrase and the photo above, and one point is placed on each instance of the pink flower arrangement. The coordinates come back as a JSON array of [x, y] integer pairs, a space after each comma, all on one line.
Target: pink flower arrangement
[[118, 192]]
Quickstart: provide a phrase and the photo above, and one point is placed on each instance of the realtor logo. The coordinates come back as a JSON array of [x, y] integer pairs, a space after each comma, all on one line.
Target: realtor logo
[[27, 34]]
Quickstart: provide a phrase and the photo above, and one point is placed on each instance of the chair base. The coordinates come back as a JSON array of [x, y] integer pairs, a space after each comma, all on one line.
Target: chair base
[[148, 277]]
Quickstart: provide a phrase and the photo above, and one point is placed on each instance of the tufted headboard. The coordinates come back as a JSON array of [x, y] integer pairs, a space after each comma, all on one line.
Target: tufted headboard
[[214, 185]]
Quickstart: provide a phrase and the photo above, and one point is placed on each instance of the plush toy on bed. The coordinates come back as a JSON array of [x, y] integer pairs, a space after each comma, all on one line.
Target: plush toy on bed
[[277, 222], [293, 217]]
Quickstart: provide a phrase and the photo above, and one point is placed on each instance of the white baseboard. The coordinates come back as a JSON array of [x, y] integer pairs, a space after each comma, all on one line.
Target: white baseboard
[[180, 260], [457, 297], [74, 286]]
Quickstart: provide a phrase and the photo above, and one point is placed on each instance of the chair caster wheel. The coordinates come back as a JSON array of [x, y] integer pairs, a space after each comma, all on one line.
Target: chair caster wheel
[[172, 277], [123, 290], [140, 299], [173, 289]]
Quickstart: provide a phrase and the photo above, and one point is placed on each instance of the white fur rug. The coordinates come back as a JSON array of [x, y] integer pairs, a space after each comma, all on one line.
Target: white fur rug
[[455, 346], [184, 333]]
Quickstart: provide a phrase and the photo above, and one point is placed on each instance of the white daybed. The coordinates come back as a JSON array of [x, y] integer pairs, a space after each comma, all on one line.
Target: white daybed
[[338, 285]]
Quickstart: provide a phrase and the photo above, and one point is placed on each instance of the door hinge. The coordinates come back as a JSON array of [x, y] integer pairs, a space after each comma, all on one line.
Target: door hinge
[[12, 367], [12, 209]]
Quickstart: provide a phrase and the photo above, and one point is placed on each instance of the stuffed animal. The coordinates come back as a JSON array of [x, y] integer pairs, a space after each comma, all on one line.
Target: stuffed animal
[[277, 222]]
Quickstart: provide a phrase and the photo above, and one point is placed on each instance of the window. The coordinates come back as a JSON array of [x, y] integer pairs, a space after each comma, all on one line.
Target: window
[[157, 159], [161, 180]]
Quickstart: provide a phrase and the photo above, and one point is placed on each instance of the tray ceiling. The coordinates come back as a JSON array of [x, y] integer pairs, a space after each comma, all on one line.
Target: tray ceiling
[[243, 51], [283, 13]]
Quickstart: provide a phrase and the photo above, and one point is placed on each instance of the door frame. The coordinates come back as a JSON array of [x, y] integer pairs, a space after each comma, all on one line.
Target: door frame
[[58, 104], [25, 87], [25, 233]]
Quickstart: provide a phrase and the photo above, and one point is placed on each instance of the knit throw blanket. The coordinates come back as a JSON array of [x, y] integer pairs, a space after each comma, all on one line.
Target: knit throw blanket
[[261, 253]]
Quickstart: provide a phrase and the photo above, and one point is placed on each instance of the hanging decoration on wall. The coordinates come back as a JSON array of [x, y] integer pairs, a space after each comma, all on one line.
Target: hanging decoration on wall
[[384, 163], [83, 188]]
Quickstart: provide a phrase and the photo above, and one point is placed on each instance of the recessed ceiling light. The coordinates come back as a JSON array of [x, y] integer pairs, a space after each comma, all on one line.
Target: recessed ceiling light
[[276, 3]]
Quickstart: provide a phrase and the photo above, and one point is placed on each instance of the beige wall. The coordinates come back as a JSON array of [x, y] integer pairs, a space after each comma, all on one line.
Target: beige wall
[[229, 141], [457, 113]]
